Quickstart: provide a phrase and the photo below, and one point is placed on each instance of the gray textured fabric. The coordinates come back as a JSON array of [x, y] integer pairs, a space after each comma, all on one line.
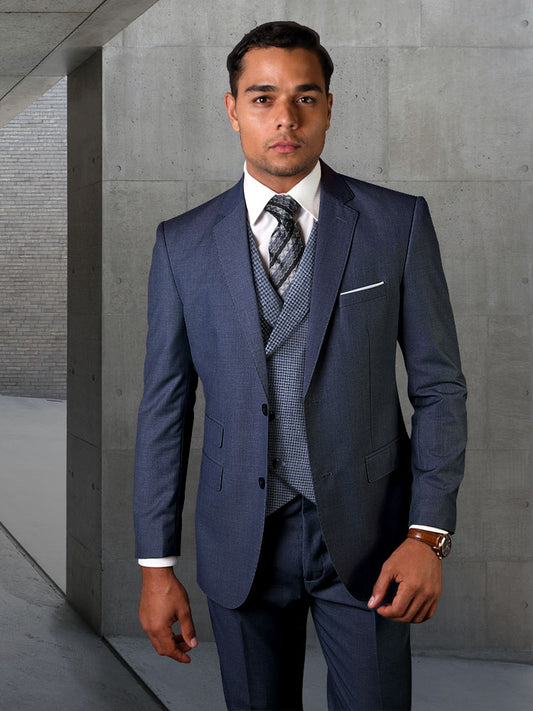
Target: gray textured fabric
[[284, 327], [286, 245]]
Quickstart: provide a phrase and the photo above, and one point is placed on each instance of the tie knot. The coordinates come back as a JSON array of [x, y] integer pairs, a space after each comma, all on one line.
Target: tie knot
[[282, 207]]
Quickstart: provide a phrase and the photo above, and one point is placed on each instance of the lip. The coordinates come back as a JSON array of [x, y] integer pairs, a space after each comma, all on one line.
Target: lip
[[285, 146]]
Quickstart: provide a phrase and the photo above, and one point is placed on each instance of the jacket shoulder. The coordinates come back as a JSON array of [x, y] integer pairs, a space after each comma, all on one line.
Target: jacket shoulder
[[204, 216], [369, 193], [365, 196]]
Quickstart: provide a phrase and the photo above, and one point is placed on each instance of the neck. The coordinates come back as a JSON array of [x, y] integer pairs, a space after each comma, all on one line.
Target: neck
[[278, 183]]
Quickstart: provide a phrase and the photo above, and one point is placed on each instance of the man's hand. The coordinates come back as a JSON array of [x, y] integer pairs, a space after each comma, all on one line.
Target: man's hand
[[418, 572], [164, 601]]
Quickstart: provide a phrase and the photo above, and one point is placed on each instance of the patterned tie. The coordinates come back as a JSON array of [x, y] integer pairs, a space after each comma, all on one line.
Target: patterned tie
[[286, 246]]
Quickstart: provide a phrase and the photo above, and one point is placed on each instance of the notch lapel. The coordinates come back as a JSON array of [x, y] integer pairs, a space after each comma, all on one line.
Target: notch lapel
[[336, 227], [231, 239]]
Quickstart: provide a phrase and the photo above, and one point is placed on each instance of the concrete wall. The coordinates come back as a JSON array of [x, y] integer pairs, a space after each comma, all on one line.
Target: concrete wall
[[33, 249], [431, 98]]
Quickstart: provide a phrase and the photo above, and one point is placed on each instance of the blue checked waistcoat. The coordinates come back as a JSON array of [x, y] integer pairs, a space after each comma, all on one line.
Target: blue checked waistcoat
[[284, 327]]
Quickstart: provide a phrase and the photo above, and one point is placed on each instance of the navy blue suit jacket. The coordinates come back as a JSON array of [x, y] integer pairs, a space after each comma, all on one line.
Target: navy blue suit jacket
[[370, 479]]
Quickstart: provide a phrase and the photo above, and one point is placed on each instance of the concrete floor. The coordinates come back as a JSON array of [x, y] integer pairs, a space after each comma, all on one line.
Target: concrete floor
[[33, 480], [439, 684], [50, 660]]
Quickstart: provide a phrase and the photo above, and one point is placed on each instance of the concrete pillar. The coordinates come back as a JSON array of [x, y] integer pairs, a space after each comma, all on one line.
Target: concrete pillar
[[84, 351], [114, 210]]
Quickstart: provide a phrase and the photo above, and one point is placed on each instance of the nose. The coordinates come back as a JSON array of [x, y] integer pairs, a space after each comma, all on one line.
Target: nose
[[287, 116]]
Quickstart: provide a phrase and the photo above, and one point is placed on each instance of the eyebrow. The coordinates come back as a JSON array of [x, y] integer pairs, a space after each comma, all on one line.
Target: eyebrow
[[270, 87]]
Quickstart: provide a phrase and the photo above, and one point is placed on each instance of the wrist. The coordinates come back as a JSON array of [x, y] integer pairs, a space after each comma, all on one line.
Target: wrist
[[441, 543], [157, 577]]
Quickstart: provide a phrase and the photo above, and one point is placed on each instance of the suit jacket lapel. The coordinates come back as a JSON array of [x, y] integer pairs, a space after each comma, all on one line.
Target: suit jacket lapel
[[335, 233], [231, 238], [336, 227]]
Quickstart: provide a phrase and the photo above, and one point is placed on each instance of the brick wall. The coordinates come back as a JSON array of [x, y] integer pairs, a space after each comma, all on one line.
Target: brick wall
[[33, 249]]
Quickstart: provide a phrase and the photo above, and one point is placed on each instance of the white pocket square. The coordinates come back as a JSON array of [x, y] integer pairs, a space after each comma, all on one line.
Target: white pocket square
[[363, 288]]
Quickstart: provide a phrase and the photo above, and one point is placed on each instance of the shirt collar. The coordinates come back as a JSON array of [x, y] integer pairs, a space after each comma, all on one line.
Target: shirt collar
[[306, 193]]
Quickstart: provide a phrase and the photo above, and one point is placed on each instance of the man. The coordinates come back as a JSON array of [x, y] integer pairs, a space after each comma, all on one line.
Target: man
[[287, 295]]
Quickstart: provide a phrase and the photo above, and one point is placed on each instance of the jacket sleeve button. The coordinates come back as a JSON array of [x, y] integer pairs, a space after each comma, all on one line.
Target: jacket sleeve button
[[261, 482]]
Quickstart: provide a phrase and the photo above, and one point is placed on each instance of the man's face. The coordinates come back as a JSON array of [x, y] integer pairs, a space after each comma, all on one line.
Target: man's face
[[282, 113]]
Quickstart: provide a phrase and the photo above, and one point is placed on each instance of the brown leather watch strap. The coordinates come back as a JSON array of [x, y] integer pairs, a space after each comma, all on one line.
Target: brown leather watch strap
[[440, 542]]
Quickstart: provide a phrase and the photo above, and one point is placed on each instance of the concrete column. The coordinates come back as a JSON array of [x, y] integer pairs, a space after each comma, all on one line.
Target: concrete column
[[111, 232], [84, 352], [113, 214]]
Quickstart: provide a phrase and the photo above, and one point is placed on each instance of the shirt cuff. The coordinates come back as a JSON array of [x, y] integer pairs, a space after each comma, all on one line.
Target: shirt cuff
[[429, 528], [166, 562]]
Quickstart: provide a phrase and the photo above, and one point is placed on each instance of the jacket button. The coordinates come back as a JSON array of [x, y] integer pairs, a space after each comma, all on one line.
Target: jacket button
[[264, 409], [271, 416], [261, 482]]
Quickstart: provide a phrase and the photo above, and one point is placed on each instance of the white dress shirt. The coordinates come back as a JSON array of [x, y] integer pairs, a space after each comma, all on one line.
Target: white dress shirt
[[256, 195]]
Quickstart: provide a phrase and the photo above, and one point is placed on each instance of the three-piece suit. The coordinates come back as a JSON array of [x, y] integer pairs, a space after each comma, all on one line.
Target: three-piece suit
[[374, 280]]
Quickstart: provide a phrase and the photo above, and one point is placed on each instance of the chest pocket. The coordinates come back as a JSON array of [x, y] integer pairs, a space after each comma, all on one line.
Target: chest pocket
[[358, 295]]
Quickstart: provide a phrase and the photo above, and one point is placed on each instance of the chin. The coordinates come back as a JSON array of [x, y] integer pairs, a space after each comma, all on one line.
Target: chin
[[288, 171]]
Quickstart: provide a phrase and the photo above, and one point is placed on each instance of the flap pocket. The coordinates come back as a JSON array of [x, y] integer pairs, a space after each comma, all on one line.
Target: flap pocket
[[383, 461], [213, 434], [365, 293], [210, 473]]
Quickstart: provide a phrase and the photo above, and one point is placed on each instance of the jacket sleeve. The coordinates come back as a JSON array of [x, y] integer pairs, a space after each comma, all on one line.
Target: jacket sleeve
[[436, 385], [165, 416]]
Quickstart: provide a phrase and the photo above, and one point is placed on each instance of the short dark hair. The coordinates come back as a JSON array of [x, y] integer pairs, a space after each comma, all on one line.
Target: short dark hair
[[283, 34]]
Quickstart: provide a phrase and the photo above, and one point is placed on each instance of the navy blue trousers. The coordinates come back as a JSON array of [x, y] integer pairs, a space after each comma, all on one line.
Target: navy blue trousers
[[261, 645]]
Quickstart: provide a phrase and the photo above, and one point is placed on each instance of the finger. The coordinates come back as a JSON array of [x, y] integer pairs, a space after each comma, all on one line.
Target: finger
[[417, 610], [187, 629], [188, 632], [426, 613], [433, 608], [166, 645], [179, 656], [181, 643], [380, 588], [399, 605], [424, 604], [422, 614], [399, 614]]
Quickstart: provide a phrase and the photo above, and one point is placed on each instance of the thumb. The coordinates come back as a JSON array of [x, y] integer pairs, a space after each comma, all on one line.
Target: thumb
[[380, 589], [188, 632]]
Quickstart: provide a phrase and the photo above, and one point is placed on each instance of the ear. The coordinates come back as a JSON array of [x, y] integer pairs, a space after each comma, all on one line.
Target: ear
[[230, 102], [330, 104]]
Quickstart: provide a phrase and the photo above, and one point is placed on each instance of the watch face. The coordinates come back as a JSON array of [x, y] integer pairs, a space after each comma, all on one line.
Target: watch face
[[445, 546]]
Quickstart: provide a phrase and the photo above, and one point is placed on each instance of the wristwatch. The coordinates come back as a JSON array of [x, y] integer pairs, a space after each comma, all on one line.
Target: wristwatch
[[440, 542]]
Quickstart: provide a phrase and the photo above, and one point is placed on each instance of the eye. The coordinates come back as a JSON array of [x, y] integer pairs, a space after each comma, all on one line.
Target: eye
[[306, 100], [260, 100]]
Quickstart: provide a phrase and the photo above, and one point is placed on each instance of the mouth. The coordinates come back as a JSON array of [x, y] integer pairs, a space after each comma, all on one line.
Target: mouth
[[285, 146]]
